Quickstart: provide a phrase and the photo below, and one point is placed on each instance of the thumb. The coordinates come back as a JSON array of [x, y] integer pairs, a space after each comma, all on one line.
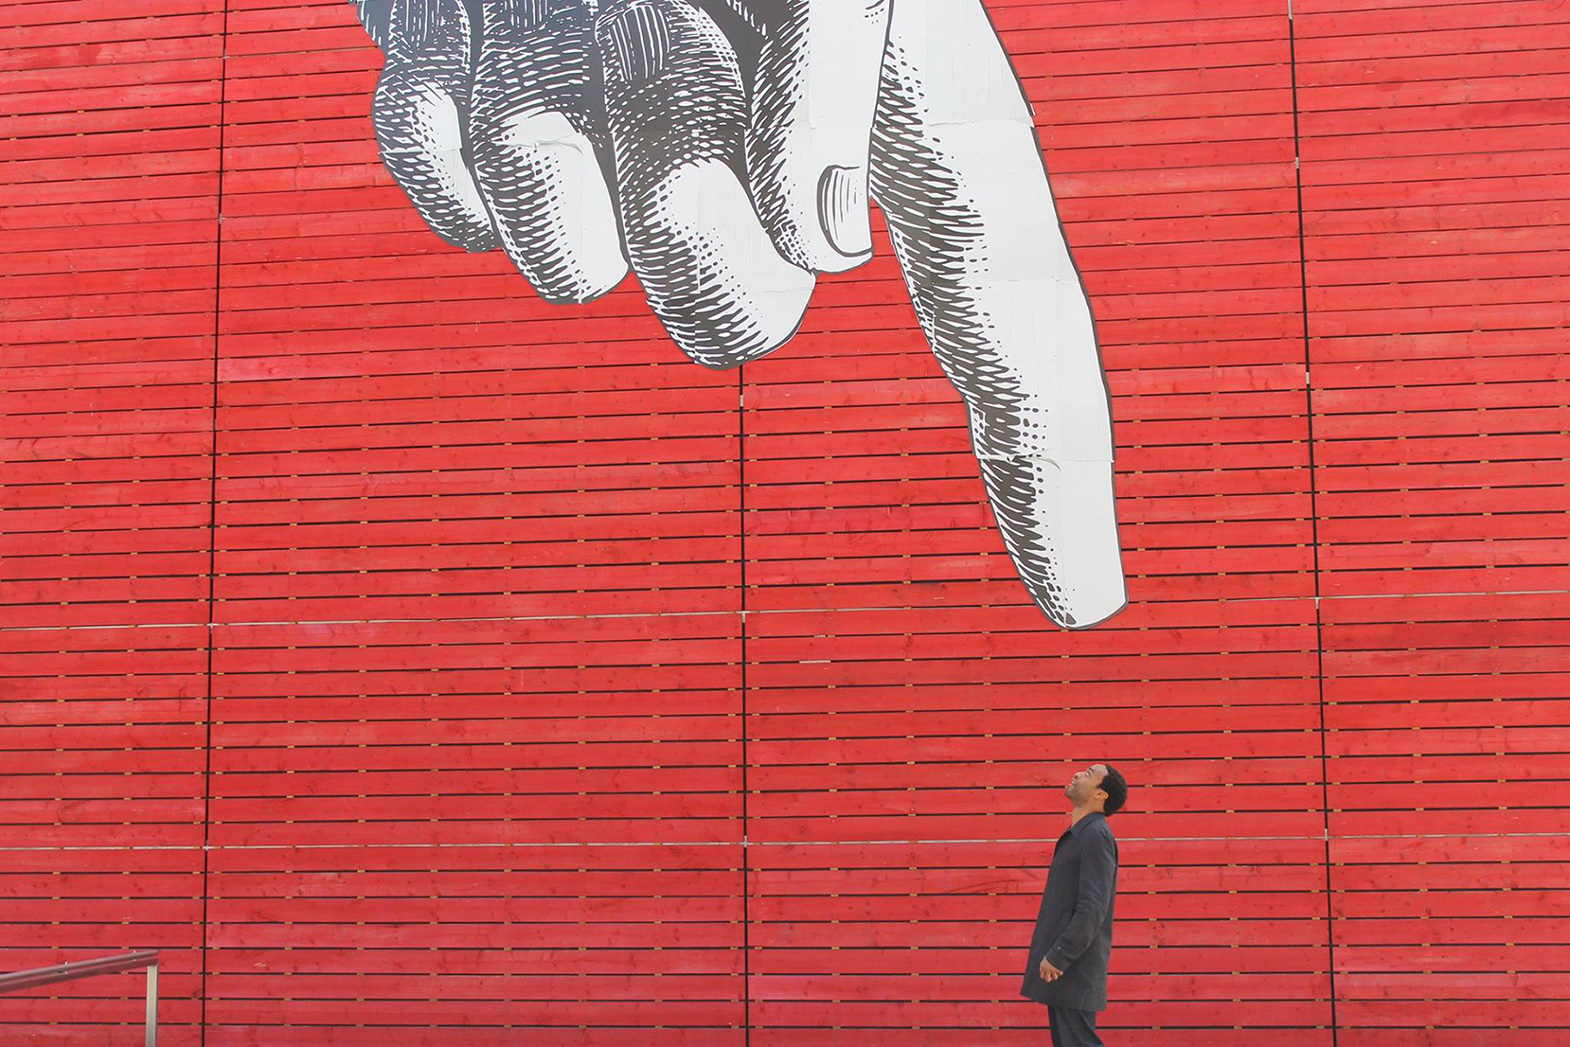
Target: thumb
[[811, 121]]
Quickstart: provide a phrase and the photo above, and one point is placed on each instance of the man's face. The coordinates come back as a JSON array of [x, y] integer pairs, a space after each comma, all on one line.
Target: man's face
[[1082, 787]]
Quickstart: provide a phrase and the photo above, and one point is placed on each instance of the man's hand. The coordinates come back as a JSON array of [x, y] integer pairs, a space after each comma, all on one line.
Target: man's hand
[[1049, 973], [727, 150]]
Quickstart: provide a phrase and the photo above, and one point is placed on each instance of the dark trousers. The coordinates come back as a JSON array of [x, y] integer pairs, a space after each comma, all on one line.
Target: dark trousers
[[1073, 1028]]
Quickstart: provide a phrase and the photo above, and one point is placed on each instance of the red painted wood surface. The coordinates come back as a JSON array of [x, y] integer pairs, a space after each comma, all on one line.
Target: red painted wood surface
[[417, 664]]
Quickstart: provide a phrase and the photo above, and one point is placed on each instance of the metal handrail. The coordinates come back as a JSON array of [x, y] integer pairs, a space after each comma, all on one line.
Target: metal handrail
[[65, 972]]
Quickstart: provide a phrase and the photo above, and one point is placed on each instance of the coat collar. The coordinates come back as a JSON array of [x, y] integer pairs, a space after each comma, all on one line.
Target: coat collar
[[1079, 825]]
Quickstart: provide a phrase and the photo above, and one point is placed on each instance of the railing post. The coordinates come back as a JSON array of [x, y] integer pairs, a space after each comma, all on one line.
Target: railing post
[[16, 981], [152, 1005]]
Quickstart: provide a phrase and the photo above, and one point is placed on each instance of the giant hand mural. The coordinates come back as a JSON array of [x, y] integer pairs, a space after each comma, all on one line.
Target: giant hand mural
[[727, 150]]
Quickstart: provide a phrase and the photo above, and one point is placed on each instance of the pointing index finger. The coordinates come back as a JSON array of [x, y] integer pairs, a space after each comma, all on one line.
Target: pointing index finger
[[957, 171]]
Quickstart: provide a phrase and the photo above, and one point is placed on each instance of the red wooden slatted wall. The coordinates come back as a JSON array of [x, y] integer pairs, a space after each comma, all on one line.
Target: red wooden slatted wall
[[465, 671], [1434, 187], [459, 803], [108, 227]]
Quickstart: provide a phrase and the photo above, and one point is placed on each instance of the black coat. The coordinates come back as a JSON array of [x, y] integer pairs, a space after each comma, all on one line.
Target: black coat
[[1074, 928]]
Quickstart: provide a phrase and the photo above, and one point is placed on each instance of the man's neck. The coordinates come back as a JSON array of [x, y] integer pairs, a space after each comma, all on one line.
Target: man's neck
[[1079, 812]]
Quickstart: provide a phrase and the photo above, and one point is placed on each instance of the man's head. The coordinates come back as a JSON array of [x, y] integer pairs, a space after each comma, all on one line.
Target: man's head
[[1098, 787]]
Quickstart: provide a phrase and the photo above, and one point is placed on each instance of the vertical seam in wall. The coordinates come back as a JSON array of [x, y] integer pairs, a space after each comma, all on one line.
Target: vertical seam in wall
[[1313, 503], [746, 853], [212, 521]]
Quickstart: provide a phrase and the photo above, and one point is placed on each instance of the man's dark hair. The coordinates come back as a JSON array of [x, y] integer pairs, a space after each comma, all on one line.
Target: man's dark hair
[[1116, 789]]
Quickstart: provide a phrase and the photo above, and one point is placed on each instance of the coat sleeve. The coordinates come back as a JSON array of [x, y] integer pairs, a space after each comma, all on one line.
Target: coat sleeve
[[1097, 868]]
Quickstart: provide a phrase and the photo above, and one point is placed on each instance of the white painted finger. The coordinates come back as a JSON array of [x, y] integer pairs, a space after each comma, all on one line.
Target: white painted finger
[[957, 170], [419, 113], [538, 129], [812, 105], [678, 116]]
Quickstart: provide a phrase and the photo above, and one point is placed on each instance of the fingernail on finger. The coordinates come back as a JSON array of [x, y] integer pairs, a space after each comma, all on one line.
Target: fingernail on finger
[[842, 210]]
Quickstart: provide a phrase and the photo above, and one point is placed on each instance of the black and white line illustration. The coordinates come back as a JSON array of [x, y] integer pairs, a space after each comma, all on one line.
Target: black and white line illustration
[[727, 151]]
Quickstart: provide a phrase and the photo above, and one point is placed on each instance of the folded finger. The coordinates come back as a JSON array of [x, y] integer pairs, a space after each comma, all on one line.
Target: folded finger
[[538, 132], [811, 118], [957, 171], [419, 110], [677, 117], [374, 15]]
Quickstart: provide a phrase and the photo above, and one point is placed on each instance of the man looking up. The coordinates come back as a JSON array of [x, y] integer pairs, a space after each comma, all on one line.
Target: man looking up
[[1069, 950]]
